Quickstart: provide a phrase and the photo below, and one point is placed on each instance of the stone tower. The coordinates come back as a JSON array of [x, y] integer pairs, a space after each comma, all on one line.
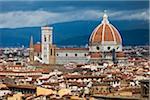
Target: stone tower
[[46, 44], [31, 51]]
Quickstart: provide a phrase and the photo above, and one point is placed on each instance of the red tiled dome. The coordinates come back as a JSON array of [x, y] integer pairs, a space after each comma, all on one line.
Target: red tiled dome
[[105, 32]]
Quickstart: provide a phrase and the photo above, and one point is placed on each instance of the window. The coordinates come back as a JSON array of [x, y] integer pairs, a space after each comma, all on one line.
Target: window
[[66, 54], [57, 54], [117, 48], [44, 38], [97, 48], [104, 91], [54, 52], [108, 48], [38, 54], [51, 52], [75, 54], [97, 89]]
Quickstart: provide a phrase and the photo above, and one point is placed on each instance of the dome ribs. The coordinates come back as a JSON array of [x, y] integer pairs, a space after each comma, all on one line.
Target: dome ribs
[[105, 33], [108, 35]]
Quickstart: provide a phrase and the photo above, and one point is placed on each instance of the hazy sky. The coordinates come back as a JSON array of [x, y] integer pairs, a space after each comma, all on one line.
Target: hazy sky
[[15, 14]]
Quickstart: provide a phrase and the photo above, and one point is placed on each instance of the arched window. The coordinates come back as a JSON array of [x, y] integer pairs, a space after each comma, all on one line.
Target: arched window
[[54, 53], [51, 52], [44, 38]]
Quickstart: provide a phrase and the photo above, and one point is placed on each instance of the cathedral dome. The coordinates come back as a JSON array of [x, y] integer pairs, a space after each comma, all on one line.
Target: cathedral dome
[[105, 33]]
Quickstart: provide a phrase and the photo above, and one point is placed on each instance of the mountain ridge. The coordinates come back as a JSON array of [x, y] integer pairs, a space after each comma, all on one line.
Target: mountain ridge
[[67, 33]]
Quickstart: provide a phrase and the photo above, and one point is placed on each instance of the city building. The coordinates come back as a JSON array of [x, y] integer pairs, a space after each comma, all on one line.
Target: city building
[[105, 44]]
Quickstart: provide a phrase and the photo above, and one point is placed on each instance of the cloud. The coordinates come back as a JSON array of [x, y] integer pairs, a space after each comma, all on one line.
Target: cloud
[[25, 19], [142, 14], [17, 19]]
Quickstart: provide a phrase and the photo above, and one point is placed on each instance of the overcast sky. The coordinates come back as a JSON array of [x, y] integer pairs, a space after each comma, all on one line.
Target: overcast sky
[[14, 14]]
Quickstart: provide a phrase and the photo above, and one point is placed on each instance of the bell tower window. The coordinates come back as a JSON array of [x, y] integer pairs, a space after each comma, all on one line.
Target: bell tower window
[[51, 52], [45, 38]]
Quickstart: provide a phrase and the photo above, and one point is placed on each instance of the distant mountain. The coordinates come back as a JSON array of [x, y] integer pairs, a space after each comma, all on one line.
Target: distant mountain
[[75, 33]]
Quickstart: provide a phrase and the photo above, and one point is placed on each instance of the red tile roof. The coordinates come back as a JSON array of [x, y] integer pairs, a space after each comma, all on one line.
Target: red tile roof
[[96, 55], [120, 54], [20, 86], [82, 76], [72, 49], [37, 47], [109, 30]]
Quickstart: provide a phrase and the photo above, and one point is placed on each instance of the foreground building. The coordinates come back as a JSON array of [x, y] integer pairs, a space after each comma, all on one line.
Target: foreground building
[[105, 44]]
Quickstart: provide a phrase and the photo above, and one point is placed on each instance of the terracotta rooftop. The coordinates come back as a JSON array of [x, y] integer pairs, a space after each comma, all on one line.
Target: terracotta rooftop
[[82, 76], [96, 55], [37, 47], [72, 49], [105, 32], [120, 54], [20, 86]]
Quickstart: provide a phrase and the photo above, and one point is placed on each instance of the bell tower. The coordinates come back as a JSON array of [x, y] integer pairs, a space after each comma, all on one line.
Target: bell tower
[[46, 42], [31, 51]]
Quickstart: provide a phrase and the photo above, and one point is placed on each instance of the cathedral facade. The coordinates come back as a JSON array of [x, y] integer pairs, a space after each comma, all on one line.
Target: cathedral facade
[[105, 44]]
